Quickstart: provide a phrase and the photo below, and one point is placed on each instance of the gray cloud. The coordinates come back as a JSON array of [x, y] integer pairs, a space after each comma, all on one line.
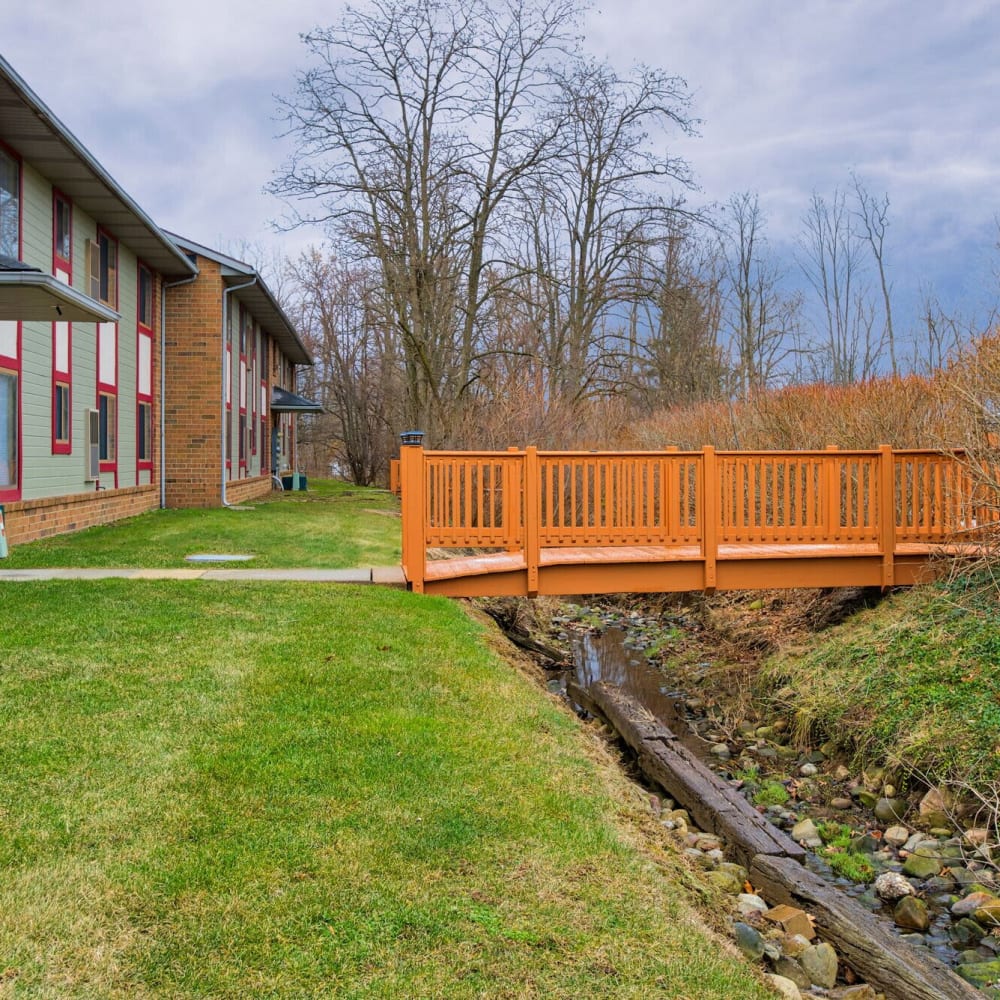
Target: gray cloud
[[177, 101]]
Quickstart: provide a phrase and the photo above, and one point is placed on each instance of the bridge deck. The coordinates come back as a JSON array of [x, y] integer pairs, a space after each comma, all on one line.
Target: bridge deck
[[614, 569]]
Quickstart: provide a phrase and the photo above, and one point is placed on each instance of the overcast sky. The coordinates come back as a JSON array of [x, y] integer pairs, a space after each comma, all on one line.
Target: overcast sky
[[793, 95]]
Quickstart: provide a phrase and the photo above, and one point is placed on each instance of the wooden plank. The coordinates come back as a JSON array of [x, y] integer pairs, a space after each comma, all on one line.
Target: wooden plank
[[711, 803], [861, 939], [887, 513], [710, 515]]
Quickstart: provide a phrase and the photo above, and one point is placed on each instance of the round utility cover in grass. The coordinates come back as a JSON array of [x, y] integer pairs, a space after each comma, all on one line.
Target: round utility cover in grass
[[216, 557]]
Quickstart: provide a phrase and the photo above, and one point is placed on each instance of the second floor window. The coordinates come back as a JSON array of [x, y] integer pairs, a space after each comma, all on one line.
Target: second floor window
[[10, 205], [62, 230], [145, 298], [103, 265]]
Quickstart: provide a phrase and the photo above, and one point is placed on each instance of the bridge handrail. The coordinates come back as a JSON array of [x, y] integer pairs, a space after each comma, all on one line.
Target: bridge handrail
[[526, 500]]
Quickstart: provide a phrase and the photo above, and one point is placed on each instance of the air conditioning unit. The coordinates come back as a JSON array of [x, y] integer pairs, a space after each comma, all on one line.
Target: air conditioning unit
[[92, 454]]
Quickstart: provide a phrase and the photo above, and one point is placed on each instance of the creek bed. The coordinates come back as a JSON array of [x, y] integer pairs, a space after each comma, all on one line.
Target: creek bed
[[605, 660]]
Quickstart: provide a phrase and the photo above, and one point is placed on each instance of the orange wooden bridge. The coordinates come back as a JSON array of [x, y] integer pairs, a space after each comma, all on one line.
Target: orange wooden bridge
[[528, 522]]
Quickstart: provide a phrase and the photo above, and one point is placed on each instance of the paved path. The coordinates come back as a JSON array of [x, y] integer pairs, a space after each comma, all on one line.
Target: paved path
[[386, 576]]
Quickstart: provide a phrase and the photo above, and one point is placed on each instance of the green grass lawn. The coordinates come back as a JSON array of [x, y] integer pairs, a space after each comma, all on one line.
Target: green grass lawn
[[330, 525], [283, 790]]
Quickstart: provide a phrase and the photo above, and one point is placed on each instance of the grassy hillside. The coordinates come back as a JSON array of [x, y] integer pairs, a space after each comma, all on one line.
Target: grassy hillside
[[914, 679], [301, 791]]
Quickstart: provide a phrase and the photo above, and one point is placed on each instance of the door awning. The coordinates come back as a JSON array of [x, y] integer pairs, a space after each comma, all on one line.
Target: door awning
[[283, 401], [29, 295]]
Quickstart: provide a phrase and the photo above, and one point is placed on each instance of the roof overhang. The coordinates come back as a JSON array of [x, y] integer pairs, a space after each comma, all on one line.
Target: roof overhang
[[256, 296], [31, 296], [33, 131], [283, 401]]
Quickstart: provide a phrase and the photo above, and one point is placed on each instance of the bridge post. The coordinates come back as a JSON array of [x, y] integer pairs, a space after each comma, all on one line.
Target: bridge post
[[511, 504], [831, 486], [710, 515], [411, 483], [887, 514], [532, 517]]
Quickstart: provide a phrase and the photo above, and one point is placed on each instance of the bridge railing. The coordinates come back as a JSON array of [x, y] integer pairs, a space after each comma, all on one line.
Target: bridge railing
[[528, 500]]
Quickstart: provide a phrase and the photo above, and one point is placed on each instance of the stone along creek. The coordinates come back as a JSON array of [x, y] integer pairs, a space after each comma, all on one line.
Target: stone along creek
[[934, 885]]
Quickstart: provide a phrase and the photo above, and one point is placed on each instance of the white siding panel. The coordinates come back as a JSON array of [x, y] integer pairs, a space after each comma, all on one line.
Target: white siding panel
[[145, 365], [62, 347], [8, 338], [108, 339]]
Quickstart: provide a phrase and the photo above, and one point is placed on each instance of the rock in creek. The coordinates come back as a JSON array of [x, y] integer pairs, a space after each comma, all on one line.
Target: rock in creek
[[749, 941], [791, 969], [784, 987], [967, 906], [820, 963], [896, 836], [935, 809], [911, 914], [889, 810], [921, 866], [980, 974], [988, 914], [891, 886]]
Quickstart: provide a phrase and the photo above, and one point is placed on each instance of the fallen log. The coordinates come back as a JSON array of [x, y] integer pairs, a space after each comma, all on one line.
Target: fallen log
[[711, 803], [772, 858], [861, 939]]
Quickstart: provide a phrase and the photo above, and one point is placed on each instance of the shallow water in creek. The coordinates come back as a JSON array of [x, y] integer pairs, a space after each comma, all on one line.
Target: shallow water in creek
[[607, 657]]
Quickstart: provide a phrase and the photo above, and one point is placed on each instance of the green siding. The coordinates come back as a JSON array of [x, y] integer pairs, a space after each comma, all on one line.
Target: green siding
[[36, 233], [45, 474]]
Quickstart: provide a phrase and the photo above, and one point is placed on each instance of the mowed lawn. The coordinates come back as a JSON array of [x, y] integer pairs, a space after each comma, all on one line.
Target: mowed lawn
[[285, 790], [331, 525]]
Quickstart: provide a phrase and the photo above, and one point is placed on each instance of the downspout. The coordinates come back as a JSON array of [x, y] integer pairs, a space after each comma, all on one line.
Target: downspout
[[163, 383], [226, 292]]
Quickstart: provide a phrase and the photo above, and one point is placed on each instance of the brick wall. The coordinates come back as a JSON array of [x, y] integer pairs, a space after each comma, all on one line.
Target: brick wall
[[240, 490], [192, 407], [28, 520]]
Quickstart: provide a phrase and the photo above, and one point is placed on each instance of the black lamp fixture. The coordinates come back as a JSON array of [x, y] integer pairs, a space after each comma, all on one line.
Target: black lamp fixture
[[412, 437]]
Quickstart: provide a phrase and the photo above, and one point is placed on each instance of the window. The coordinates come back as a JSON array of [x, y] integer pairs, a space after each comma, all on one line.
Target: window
[[103, 264], [60, 413], [107, 406], [8, 430], [62, 230], [144, 442], [10, 205], [145, 298]]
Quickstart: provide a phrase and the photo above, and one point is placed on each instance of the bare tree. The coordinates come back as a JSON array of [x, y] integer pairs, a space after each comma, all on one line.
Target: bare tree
[[674, 328], [941, 335], [833, 264], [600, 208], [874, 215], [412, 130], [356, 376], [763, 321]]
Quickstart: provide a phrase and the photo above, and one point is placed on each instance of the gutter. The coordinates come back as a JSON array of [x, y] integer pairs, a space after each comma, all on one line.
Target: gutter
[[226, 292], [163, 383]]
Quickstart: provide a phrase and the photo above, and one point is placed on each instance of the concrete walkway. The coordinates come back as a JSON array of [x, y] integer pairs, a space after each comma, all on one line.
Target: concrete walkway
[[385, 576]]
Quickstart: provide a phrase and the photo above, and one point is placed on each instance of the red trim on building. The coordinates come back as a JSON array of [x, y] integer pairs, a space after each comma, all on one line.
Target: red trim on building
[[7, 363], [144, 330], [62, 377], [108, 388]]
